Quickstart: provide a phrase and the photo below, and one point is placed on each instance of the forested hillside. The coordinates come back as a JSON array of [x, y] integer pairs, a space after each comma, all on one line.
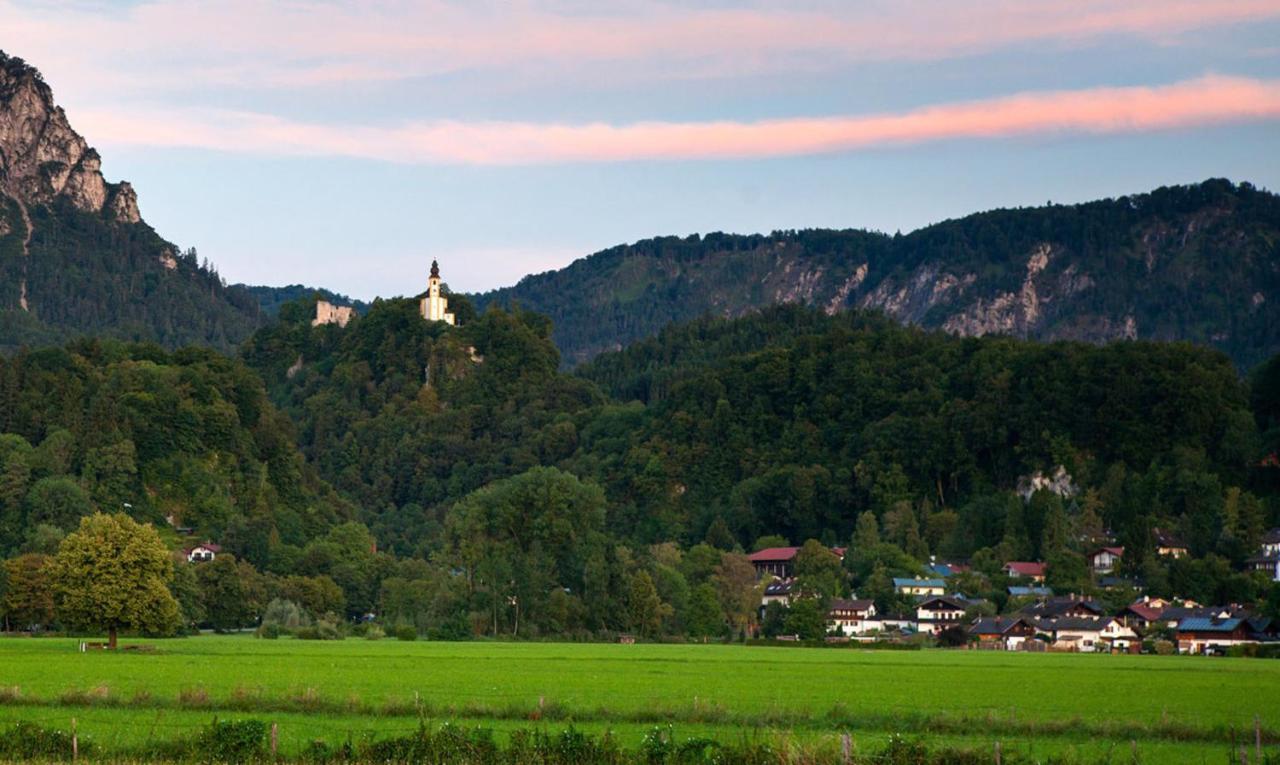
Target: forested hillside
[[76, 258], [187, 435], [787, 422], [1198, 263]]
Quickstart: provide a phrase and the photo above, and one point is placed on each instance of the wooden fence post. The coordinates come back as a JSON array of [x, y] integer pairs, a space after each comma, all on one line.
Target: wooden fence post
[[75, 741], [846, 748], [997, 753], [275, 739], [1257, 737]]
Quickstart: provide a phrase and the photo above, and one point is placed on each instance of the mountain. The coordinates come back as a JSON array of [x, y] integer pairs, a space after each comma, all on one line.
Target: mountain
[[1198, 263], [76, 256], [270, 299]]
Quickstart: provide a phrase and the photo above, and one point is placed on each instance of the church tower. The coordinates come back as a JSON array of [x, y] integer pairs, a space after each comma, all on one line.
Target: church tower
[[435, 307]]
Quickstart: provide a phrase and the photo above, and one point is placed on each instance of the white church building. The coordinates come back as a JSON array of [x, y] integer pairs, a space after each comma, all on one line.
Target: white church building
[[435, 307]]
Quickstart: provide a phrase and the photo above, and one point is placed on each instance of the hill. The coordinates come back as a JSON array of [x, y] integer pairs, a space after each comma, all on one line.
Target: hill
[[1198, 263], [76, 256]]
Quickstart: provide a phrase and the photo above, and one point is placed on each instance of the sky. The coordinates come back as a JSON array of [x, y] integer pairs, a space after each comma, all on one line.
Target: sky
[[347, 144]]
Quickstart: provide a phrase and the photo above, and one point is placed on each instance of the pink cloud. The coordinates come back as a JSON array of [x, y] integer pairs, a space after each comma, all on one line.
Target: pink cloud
[[1202, 101], [168, 44]]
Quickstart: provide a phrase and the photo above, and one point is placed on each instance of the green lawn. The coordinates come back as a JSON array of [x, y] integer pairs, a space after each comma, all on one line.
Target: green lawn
[[1031, 700]]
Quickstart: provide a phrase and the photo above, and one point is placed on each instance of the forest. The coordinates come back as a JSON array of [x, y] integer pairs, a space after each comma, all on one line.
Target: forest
[[457, 481]]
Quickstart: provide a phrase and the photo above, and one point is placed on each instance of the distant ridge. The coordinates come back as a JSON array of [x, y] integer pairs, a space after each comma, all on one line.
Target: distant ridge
[[1199, 263]]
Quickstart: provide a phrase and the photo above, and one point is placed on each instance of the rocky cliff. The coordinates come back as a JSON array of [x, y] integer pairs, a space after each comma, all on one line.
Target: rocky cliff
[[1198, 263], [75, 254]]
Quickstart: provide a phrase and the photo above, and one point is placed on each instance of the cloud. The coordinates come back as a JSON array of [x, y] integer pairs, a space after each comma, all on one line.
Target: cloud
[[247, 44], [1203, 101]]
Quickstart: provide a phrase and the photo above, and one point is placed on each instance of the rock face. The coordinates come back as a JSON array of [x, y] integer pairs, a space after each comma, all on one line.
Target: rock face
[[42, 157]]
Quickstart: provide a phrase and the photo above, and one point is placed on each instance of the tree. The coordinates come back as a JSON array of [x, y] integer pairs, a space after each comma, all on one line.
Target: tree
[[806, 619], [113, 573], [28, 600], [866, 533], [646, 608], [818, 571], [739, 593], [57, 501], [704, 617], [223, 595]]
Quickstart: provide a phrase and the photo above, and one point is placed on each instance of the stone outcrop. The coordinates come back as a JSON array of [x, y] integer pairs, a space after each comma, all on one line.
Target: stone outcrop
[[42, 158]]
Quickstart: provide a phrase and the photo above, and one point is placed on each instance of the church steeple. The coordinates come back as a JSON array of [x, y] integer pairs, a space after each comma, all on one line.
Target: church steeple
[[435, 307]]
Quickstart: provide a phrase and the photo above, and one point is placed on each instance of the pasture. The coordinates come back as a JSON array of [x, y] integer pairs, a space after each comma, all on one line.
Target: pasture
[[1165, 708]]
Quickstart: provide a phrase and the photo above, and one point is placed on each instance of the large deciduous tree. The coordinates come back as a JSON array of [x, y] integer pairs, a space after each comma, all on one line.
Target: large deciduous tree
[[112, 573]]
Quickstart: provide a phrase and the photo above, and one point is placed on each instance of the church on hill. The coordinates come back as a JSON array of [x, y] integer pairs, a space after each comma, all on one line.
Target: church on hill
[[435, 307]]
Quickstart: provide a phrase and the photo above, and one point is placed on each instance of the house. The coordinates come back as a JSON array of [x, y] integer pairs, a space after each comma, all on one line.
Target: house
[[1172, 616], [1139, 615], [780, 561], [943, 570], [1003, 633], [1118, 583], [1087, 634], [1104, 559], [1021, 591], [935, 613], [1198, 634], [919, 586], [1168, 544], [1021, 569], [777, 591], [889, 623], [1268, 563], [851, 617], [202, 552], [1271, 542], [1053, 608]]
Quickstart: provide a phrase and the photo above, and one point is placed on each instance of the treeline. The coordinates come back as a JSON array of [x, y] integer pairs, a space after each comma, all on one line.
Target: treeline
[[186, 437]]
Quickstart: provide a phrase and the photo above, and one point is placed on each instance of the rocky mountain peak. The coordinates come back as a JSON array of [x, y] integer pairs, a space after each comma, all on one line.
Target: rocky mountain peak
[[42, 158]]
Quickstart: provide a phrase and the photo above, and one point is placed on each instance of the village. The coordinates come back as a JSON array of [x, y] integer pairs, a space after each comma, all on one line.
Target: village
[[1036, 618]]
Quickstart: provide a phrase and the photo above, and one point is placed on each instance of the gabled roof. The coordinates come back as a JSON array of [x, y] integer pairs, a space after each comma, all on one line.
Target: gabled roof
[[210, 546], [845, 604], [782, 554], [998, 625], [949, 602], [1272, 536], [1165, 538], [1075, 623], [1020, 591], [1205, 624], [910, 582], [1142, 611], [1055, 607], [1025, 568], [1116, 551]]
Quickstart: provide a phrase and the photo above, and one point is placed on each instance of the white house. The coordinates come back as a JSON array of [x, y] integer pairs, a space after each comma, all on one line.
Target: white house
[[851, 617], [938, 612], [919, 586], [1105, 559], [203, 552]]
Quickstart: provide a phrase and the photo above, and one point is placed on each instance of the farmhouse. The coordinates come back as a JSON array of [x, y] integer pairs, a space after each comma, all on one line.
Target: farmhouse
[[1199, 634], [1021, 569], [777, 591], [202, 552], [851, 617], [1168, 544], [1139, 615], [1104, 559], [919, 586], [1053, 608], [935, 613], [1006, 633], [1087, 634]]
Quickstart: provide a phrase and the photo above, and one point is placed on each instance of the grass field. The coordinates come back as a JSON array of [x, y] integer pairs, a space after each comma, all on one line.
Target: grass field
[[1168, 709]]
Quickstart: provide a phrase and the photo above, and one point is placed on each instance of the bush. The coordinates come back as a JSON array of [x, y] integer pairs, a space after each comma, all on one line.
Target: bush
[[374, 632], [284, 616], [1165, 647], [268, 631], [406, 632], [329, 628], [232, 740], [26, 741]]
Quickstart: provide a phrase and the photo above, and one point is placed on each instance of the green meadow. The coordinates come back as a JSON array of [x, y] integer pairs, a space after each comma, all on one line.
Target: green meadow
[[1163, 708]]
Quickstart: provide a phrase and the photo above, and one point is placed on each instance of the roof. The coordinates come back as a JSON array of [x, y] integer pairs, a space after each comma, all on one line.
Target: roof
[[1116, 551], [781, 554], [952, 602], [1055, 607], [1166, 538], [845, 604], [997, 625], [1205, 624], [1019, 591], [1025, 567], [1272, 537], [1143, 611], [1076, 623], [910, 582], [778, 588], [210, 546]]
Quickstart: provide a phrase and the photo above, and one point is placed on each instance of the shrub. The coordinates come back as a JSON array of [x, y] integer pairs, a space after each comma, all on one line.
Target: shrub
[[374, 632], [25, 741], [1165, 647], [268, 631], [329, 628], [284, 616], [406, 632]]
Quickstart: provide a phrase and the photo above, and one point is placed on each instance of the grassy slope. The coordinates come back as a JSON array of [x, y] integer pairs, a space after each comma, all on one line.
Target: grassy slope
[[625, 688]]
